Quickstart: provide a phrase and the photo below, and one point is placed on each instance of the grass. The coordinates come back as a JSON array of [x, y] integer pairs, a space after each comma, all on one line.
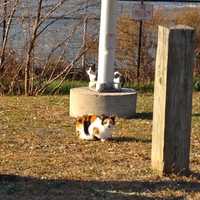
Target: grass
[[65, 87], [41, 157]]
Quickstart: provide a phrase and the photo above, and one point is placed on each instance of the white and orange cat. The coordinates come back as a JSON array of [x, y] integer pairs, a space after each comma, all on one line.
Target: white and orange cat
[[90, 127]]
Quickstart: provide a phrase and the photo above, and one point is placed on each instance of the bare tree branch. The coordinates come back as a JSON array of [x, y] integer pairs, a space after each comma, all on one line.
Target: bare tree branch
[[5, 39], [65, 71], [66, 42], [30, 49], [51, 12]]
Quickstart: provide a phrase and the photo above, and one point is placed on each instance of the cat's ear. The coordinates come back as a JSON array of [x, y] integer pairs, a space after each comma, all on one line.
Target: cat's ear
[[79, 120], [93, 68], [102, 117], [113, 118]]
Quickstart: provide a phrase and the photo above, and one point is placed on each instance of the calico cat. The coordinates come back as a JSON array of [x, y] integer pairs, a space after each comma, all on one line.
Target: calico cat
[[90, 127]]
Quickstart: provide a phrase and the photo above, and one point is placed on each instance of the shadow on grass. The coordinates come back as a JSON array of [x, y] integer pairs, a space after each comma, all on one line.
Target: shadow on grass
[[14, 187], [144, 115], [131, 139], [149, 115], [196, 115]]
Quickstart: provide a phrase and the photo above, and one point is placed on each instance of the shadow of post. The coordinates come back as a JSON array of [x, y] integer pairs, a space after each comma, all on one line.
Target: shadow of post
[[14, 187], [131, 139], [144, 115], [196, 115]]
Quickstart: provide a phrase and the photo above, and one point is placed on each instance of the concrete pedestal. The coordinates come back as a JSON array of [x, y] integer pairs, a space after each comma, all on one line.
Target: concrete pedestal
[[85, 101]]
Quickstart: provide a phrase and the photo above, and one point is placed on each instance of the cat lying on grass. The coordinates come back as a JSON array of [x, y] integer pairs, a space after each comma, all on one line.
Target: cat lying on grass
[[91, 127]]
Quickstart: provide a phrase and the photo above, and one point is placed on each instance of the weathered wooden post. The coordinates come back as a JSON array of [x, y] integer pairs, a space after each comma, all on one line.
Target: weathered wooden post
[[173, 100]]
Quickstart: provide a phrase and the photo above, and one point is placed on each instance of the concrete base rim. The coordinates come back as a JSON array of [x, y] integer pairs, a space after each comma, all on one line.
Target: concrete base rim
[[84, 101]]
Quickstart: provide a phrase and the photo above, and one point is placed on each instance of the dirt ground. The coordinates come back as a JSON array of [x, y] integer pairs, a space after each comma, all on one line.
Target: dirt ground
[[41, 158]]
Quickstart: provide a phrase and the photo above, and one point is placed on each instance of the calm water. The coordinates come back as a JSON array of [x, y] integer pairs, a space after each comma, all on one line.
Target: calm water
[[72, 10]]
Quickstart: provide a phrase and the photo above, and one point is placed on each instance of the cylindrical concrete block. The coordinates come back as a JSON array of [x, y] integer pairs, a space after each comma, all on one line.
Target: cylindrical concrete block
[[85, 101]]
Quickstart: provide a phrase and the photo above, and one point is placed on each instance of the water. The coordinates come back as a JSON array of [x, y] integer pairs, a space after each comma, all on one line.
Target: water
[[71, 12]]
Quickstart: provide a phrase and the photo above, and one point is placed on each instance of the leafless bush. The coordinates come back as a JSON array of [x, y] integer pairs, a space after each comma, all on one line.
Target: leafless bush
[[128, 41], [27, 70]]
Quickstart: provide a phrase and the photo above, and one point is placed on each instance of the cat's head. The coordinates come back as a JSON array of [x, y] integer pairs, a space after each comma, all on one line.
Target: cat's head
[[91, 69], [117, 74], [107, 121]]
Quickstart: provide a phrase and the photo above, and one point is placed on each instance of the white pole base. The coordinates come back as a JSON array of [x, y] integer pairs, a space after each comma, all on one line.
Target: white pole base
[[102, 87]]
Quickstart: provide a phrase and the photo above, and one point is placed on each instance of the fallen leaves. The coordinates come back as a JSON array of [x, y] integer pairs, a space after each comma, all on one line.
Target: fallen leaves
[[37, 139]]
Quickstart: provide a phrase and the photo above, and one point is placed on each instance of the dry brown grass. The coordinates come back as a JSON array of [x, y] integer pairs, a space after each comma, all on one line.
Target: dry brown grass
[[41, 158]]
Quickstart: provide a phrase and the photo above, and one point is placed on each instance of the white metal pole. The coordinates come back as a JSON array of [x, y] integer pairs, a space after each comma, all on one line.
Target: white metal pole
[[107, 45]]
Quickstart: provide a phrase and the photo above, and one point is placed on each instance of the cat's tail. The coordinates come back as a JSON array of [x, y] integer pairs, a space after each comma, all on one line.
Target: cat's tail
[[82, 127]]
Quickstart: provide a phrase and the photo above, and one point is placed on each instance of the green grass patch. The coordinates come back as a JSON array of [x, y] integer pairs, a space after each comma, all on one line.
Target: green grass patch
[[64, 88]]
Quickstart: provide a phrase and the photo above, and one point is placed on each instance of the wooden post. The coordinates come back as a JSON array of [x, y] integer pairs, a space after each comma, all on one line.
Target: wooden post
[[173, 100]]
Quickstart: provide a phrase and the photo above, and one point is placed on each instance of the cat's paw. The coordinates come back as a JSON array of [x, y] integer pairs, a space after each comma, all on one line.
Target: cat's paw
[[92, 84], [106, 139]]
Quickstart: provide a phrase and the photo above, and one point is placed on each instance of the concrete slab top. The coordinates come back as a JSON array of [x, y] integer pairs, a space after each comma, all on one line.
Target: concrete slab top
[[122, 92]]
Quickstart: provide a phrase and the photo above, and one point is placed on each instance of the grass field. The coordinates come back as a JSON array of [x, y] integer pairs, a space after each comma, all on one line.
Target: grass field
[[42, 159]]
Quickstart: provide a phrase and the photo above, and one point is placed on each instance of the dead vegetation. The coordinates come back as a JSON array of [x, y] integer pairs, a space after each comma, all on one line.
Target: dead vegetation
[[30, 68], [41, 157], [35, 20]]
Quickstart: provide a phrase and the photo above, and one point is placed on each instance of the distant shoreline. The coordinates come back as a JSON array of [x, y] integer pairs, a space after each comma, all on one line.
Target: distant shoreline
[[164, 4]]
